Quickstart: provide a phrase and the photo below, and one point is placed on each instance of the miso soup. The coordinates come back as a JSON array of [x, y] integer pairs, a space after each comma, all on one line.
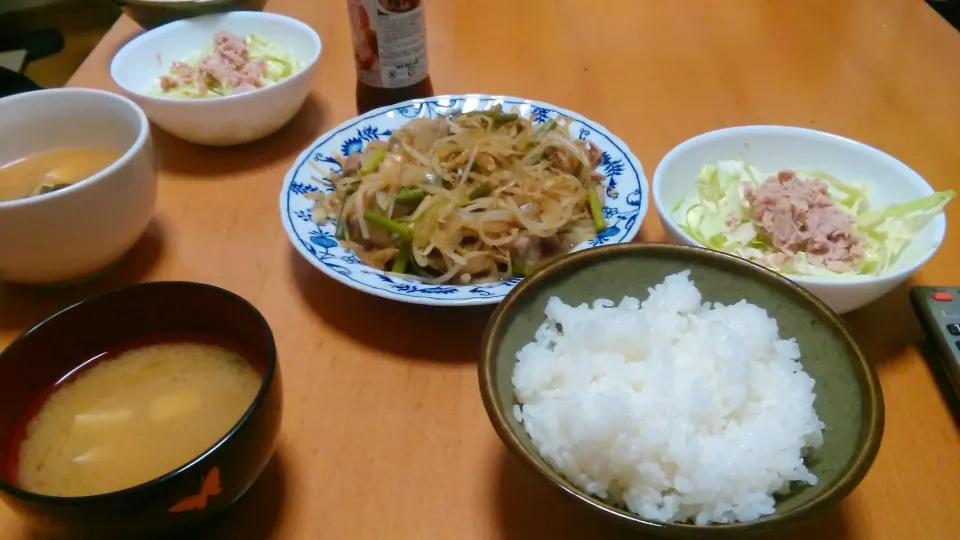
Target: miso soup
[[49, 171], [132, 416]]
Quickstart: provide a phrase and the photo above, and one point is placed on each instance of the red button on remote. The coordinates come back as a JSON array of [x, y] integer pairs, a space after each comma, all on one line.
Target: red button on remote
[[941, 296]]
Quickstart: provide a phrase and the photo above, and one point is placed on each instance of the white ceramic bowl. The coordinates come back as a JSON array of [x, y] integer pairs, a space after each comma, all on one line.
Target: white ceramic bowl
[[772, 148], [217, 121], [76, 232]]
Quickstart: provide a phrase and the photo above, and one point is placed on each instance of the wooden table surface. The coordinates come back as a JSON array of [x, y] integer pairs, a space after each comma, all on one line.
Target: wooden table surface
[[384, 433]]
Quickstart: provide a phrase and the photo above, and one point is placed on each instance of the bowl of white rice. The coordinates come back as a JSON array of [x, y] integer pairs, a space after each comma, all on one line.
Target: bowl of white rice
[[682, 391]]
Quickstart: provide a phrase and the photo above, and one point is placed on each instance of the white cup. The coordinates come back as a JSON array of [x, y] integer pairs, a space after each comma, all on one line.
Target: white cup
[[77, 232]]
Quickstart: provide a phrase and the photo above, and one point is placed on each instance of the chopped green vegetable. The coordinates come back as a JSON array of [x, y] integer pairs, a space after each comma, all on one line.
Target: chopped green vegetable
[[496, 114], [279, 65], [371, 161], [481, 191], [545, 128], [541, 132], [853, 193], [596, 211], [408, 195], [50, 188], [520, 269], [395, 227], [717, 215], [932, 204], [403, 257], [497, 117], [341, 231]]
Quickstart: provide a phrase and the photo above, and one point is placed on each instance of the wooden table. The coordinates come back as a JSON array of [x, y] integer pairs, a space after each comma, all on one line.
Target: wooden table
[[385, 435]]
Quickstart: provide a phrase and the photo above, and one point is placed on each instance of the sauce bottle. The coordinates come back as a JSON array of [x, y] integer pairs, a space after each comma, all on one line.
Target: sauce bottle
[[390, 51]]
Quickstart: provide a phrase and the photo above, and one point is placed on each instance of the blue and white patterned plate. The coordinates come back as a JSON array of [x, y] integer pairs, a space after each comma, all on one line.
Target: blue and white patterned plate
[[626, 202]]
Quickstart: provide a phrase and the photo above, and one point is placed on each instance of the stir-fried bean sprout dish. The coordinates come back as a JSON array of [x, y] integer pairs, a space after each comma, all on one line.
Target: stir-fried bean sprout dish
[[475, 197]]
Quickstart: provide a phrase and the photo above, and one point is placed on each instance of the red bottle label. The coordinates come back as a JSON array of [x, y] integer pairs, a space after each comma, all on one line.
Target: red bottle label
[[389, 42]]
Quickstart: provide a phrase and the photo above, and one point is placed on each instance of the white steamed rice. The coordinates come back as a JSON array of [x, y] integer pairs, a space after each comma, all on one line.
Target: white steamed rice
[[679, 410]]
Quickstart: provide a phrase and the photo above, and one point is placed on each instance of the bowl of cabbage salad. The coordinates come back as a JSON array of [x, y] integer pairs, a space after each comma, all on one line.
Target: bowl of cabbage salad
[[841, 218], [231, 65], [221, 79]]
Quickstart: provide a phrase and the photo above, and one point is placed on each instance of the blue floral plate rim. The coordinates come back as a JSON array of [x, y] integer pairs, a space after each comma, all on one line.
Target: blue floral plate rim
[[625, 208]]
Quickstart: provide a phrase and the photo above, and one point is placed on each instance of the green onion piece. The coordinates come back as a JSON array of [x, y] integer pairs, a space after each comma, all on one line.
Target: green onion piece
[[481, 191], [50, 188], [372, 162], [400, 262], [395, 227], [497, 117], [409, 195], [595, 209], [496, 114], [541, 132], [286, 67], [545, 128], [341, 231]]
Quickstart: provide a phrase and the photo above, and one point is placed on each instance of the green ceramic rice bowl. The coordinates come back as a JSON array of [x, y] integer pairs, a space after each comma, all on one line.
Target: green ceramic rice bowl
[[848, 396]]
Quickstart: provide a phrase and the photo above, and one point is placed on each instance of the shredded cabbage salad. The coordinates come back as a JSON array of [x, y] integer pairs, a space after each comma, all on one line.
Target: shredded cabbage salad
[[280, 65], [717, 215]]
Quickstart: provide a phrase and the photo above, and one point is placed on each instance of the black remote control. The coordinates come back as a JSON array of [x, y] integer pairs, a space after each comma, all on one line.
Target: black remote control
[[938, 309]]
